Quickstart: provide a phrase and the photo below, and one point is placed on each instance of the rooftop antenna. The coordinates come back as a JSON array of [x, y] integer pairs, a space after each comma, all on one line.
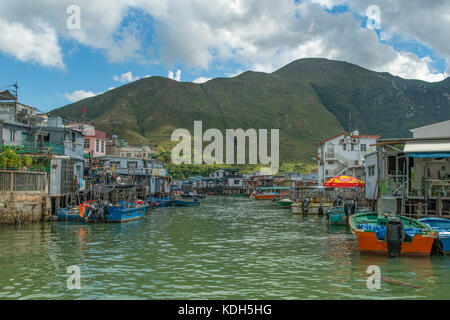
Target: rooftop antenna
[[350, 122]]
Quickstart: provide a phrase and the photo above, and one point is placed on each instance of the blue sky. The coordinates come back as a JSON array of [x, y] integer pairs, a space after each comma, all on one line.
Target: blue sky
[[203, 41]]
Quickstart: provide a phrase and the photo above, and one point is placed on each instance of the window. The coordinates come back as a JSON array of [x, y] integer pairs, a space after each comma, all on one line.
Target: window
[[353, 147], [103, 146], [97, 145], [87, 143], [371, 171], [128, 155], [132, 164], [236, 182], [12, 135], [363, 147], [115, 164], [345, 147]]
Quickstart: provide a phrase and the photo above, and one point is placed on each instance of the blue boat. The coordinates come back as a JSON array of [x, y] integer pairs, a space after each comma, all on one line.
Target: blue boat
[[159, 202], [186, 203], [119, 213], [442, 226]]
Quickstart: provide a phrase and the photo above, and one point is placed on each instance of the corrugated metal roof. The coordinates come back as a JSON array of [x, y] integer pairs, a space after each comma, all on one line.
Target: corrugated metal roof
[[431, 146], [6, 95]]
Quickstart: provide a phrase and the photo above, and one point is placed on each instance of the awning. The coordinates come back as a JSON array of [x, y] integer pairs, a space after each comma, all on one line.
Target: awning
[[428, 147], [429, 155]]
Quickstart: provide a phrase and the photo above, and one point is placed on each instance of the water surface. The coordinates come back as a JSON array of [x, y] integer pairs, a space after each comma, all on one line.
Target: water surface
[[229, 248]]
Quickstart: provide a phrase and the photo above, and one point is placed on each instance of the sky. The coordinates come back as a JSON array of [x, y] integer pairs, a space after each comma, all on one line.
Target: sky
[[63, 51]]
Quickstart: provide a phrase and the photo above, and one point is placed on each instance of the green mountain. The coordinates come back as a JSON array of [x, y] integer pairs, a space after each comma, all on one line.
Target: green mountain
[[308, 100]]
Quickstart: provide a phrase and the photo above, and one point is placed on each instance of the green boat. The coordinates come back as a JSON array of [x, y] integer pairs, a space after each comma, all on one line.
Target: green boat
[[336, 215], [392, 235], [283, 203]]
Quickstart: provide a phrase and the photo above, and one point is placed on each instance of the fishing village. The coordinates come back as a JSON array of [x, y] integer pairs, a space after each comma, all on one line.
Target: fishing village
[[393, 194]]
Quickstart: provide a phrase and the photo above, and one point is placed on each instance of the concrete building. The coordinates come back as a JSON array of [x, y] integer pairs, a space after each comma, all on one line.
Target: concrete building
[[94, 140], [415, 171], [142, 152], [16, 120], [344, 154]]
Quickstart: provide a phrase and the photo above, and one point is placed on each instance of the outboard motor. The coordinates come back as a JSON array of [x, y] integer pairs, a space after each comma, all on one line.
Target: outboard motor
[[320, 211], [349, 207], [103, 211], [305, 204], [395, 234], [337, 202]]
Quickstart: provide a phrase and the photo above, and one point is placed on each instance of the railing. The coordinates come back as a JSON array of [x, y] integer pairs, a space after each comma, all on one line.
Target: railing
[[22, 181], [39, 147]]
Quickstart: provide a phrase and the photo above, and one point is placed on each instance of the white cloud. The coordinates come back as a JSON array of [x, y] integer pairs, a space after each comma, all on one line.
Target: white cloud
[[38, 44], [201, 80], [254, 34], [126, 77], [176, 77], [79, 95]]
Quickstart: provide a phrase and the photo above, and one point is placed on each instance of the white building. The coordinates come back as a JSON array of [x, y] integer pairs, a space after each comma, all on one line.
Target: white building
[[142, 152], [344, 155]]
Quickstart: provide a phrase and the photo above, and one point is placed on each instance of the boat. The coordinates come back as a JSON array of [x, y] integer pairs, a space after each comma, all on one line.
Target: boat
[[186, 203], [392, 235], [270, 193], [103, 212], [265, 196], [159, 202], [194, 196], [311, 207], [283, 203], [339, 215], [442, 226]]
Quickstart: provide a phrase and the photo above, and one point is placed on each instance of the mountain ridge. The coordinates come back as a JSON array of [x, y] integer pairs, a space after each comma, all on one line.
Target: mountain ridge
[[308, 100]]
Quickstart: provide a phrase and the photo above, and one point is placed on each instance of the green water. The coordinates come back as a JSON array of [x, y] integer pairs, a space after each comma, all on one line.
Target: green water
[[229, 248]]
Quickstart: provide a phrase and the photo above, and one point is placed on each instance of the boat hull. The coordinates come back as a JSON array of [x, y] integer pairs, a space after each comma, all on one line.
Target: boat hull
[[265, 196], [312, 210], [442, 226], [420, 246], [364, 225], [183, 203], [115, 215]]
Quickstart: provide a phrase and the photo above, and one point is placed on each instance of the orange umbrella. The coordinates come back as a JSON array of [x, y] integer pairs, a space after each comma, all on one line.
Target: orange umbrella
[[344, 182]]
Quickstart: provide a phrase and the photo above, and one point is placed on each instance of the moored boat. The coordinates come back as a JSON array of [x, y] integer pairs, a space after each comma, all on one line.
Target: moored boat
[[103, 212], [310, 207], [186, 203], [283, 203], [339, 215], [159, 202], [393, 235], [442, 226], [266, 196]]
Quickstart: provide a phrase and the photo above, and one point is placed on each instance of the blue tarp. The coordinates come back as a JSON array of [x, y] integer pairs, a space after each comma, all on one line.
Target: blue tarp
[[430, 155], [380, 231]]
